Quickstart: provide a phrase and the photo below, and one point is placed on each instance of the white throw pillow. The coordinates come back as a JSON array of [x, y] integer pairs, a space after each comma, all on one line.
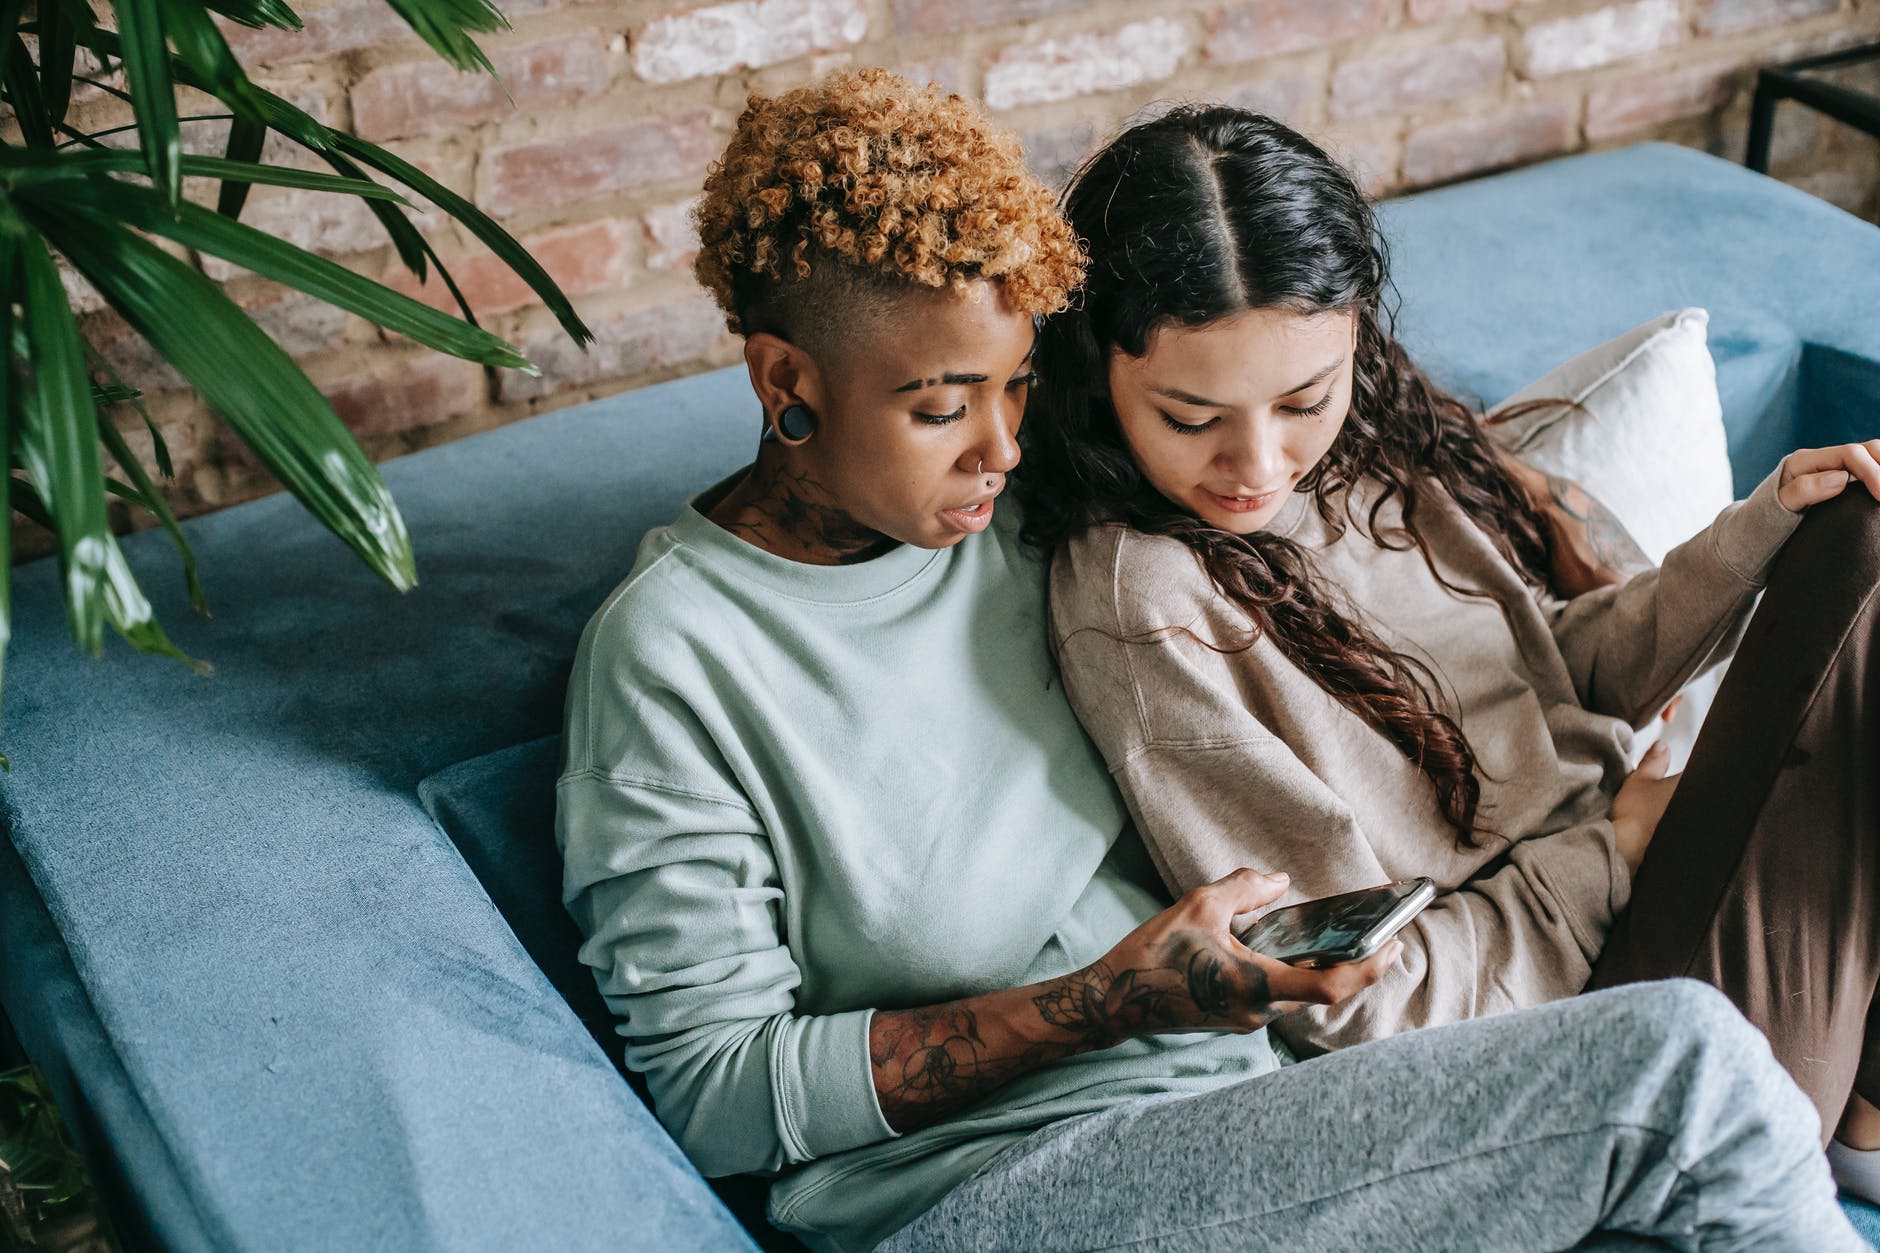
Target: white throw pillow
[[1646, 441]]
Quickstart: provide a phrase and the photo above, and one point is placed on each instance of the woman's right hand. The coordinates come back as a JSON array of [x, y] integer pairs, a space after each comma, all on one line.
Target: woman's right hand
[[1641, 803], [1183, 970]]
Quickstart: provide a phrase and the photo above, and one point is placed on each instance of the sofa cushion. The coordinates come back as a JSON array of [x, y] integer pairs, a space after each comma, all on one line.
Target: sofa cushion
[[499, 810], [1641, 428]]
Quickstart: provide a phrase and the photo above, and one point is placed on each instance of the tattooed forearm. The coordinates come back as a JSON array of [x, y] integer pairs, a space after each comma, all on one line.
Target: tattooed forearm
[[929, 1063]]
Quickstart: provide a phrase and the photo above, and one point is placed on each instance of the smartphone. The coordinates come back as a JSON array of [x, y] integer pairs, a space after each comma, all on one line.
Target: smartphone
[[1337, 929]]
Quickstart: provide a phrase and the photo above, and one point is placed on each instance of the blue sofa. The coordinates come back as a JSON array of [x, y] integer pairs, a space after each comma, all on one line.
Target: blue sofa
[[288, 940]]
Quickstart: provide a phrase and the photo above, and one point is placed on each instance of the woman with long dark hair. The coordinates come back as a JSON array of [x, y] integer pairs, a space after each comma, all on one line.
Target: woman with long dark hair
[[1303, 608]]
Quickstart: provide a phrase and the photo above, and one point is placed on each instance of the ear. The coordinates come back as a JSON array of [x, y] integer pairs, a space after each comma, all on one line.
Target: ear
[[782, 375]]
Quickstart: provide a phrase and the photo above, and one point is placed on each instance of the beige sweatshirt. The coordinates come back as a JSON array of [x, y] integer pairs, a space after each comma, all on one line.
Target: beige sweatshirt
[[1239, 758]]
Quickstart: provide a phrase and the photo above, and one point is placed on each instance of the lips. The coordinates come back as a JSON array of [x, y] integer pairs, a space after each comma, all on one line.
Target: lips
[[970, 518], [1243, 504]]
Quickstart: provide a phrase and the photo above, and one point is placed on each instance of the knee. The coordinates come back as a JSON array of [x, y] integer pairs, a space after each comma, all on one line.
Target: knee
[[1682, 1015], [1850, 524]]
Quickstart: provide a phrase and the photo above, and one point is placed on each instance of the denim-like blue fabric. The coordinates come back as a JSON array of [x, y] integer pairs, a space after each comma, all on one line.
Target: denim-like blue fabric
[[300, 973]]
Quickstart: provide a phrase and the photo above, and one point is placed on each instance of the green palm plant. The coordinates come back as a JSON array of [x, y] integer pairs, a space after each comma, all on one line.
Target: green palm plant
[[103, 208]]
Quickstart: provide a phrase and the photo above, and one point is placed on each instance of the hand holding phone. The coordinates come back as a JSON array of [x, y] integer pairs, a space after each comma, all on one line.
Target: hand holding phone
[[1184, 970], [1334, 930]]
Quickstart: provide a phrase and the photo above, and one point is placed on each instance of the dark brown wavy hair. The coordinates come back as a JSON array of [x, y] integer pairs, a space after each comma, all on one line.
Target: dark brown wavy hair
[[1204, 213]]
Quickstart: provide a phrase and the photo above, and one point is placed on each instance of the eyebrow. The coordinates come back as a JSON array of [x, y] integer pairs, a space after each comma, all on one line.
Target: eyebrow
[[956, 380], [914, 385], [1189, 398]]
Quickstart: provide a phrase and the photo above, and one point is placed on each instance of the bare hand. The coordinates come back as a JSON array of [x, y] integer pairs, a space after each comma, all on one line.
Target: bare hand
[[1812, 475], [1183, 970], [1641, 803]]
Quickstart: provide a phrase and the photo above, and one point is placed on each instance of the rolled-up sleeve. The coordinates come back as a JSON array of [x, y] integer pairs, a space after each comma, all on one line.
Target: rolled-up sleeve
[[678, 896]]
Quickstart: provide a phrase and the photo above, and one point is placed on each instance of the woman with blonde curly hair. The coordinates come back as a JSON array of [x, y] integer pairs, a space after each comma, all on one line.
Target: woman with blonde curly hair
[[864, 896]]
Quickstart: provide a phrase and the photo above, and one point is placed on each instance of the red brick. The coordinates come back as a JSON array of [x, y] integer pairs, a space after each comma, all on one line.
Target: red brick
[[1638, 103], [1726, 17], [580, 259], [944, 17], [1399, 84], [1288, 100], [1447, 150], [742, 34], [323, 33], [1601, 37], [626, 346], [1079, 65], [417, 390], [564, 171], [421, 97], [1254, 31]]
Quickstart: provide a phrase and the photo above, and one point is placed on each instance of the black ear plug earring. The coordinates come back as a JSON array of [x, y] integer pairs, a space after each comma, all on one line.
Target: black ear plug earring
[[795, 423]]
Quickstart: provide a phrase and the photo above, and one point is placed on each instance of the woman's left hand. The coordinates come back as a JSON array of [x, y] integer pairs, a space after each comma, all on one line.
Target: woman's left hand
[[1812, 475]]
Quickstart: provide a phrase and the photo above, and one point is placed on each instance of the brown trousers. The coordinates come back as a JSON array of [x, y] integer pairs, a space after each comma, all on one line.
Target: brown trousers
[[1763, 878]]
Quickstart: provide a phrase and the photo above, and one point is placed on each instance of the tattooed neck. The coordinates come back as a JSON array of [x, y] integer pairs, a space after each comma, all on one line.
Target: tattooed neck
[[785, 510]]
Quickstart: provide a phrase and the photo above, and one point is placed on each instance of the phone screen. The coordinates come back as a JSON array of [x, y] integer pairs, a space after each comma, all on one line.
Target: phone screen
[[1338, 928]]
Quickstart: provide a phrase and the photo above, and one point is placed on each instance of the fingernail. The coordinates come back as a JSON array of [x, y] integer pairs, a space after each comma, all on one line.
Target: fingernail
[[1657, 750], [1278, 876]]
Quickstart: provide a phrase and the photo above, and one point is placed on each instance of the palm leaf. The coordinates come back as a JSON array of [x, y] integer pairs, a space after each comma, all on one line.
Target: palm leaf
[[30, 166], [125, 605], [57, 47], [406, 238], [22, 89], [244, 375], [202, 48], [256, 13], [210, 232], [246, 139], [495, 238], [143, 492], [445, 25], [135, 398], [147, 65], [58, 443]]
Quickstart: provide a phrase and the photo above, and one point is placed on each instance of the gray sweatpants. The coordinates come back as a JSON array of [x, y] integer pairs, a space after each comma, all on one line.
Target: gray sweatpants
[[1652, 1111]]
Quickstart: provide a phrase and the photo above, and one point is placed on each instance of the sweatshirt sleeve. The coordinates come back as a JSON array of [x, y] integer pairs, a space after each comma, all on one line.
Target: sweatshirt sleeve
[[1522, 934], [1212, 788], [678, 895], [1629, 648]]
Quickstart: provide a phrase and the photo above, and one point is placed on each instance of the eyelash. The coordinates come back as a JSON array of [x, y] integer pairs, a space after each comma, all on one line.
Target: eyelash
[[1195, 428], [944, 419]]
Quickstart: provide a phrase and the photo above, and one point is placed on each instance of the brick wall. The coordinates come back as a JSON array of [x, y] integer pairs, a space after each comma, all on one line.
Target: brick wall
[[618, 108]]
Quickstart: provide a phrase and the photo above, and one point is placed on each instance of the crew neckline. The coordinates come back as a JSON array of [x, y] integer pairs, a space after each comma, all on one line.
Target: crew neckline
[[801, 580]]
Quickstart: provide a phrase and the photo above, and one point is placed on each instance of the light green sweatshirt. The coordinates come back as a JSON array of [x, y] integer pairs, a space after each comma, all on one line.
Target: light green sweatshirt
[[794, 794]]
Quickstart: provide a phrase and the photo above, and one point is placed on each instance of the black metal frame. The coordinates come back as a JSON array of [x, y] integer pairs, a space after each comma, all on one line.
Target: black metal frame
[[1785, 82]]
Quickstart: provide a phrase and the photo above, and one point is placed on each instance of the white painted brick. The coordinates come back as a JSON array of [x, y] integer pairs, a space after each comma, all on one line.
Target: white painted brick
[[742, 35], [1601, 37], [671, 238], [1078, 65]]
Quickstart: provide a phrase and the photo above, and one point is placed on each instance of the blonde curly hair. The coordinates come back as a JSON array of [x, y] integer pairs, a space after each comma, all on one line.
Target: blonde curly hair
[[860, 186]]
